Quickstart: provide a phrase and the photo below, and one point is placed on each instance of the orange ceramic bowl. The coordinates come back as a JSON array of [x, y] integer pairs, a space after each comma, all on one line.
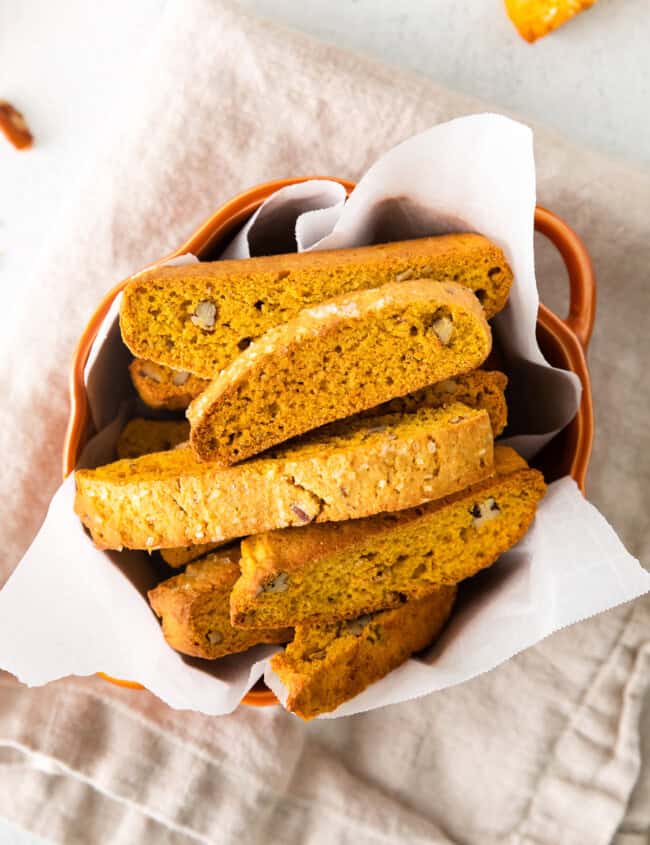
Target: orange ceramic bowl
[[563, 342]]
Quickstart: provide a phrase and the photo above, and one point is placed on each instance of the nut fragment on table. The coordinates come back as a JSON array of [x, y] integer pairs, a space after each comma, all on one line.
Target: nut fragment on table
[[14, 127]]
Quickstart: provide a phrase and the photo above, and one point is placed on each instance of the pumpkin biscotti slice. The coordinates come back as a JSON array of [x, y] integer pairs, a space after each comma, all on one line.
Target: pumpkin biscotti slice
[[141, 437], [327, 572], [365, 466], [334, 360], [328, 664], [478, 389], [194, 609], [164, 388], [199, 317]]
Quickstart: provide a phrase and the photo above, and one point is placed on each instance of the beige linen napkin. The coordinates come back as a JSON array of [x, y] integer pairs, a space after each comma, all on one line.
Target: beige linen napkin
[[545, 749]]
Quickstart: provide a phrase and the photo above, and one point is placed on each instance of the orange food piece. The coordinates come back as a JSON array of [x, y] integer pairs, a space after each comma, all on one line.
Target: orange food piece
[[536, 18], [14, 127]]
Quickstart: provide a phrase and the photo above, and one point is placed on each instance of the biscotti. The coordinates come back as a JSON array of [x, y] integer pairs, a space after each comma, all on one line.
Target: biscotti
[[328, 664], [335, 360], [141, 437], [164, 388], [199, 317], [478, 389], [185, 554], [194, 609], [384, 463], [328, 572]]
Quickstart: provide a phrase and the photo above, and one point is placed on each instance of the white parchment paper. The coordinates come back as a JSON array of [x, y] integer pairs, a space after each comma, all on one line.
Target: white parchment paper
[[70, 609]]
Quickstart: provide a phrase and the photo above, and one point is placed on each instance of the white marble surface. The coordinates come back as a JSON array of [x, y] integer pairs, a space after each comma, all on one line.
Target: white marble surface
[[63, 63], [10, 835], [590, 79]]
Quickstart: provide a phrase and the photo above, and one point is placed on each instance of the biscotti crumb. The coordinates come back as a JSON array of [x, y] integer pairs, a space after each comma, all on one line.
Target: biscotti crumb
[[536, 18]]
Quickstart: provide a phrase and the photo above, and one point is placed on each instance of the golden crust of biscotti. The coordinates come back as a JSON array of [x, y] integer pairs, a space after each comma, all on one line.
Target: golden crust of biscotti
[[478, 389], [336, 359], [194, 609], [163, 388], [363, 466], [327, 572], [186, 554], [330, 663], [199, 317], [141, 437]]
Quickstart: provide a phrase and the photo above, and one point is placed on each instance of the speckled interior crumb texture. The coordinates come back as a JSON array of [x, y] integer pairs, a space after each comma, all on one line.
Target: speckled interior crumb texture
[[365, 466], [194, 610], [325, 572], [478, 389], [337, 359], [198, 318], [141, 437], [330, 663]]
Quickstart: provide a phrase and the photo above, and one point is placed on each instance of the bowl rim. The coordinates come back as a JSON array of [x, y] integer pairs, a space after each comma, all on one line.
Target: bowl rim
[[571, 334]]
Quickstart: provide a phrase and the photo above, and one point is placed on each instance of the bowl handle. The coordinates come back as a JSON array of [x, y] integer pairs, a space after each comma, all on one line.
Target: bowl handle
[[582, 282]]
